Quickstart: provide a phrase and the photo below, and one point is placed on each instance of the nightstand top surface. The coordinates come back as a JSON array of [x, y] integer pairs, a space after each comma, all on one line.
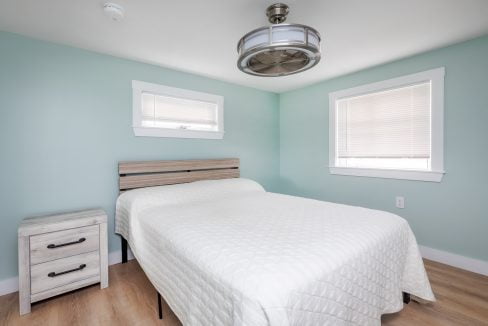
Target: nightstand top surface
[[61, 221]]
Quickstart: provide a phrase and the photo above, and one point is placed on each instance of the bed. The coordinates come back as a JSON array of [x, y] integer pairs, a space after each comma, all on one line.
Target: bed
[[223, 251]]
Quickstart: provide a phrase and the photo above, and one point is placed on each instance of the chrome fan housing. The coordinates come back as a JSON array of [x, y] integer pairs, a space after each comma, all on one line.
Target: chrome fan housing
[[279, 49]]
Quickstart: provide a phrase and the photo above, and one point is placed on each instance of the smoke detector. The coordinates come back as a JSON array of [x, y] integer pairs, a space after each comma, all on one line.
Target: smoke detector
[[279, 49], [113, 11]]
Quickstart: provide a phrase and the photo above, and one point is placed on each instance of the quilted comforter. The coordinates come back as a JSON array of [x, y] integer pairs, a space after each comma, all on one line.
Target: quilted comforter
[[227, 252]]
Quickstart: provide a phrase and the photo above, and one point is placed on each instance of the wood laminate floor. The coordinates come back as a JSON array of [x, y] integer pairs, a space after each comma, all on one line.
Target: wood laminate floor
[[462, 299]]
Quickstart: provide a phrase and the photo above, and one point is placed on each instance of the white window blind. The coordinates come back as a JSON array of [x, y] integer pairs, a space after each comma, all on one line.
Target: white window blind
[[163, 111], [386, 129], [177, 113]]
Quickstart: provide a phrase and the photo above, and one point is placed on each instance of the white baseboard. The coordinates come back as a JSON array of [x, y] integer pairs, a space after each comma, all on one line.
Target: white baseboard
[[115, 257], [474, 265], [10, 285], [467, 263]]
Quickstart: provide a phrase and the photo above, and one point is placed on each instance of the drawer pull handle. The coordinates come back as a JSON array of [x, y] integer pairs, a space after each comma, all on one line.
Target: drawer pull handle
[[52, 245], [53, 274]]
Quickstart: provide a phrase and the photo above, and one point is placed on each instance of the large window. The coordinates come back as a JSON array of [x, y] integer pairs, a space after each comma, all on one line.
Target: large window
[[390, 129], [161, 111]]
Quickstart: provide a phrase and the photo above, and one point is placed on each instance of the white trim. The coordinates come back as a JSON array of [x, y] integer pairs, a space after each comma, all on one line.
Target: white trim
[[11, 285], [115, 257], [436, 76], [437, 73], [138, 87], [432, 176], [466, 263], [177, 133]]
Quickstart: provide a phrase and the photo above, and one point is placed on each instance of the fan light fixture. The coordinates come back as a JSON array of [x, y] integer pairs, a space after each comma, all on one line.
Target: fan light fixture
[[279, 49]]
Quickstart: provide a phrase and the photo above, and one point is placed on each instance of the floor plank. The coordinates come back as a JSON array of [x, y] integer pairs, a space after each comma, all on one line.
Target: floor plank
[[462, 299]]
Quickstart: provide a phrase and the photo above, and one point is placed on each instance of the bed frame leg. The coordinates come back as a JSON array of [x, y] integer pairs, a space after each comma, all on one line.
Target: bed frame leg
[[124, 250], [406, 298], [160, 307]]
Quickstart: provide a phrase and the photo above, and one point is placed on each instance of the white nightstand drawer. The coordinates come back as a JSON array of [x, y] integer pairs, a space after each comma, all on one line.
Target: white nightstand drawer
[[64, 271], [54, 245]]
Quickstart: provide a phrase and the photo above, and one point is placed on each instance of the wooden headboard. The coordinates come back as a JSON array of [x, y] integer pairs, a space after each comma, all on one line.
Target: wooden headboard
[[139, 174]]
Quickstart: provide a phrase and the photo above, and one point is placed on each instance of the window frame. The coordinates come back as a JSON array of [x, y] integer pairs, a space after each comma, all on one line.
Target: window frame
[[138, 87], [435, 174]]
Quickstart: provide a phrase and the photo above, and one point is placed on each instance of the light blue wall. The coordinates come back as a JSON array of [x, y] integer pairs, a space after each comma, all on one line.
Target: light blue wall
[[66, 121], [451, 215]]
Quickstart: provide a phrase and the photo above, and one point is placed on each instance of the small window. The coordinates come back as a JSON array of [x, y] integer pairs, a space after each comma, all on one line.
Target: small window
[[161, 111], [390, 129]]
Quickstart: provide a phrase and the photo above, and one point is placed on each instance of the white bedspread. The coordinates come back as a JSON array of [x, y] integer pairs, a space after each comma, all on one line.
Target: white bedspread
[[228, 253]]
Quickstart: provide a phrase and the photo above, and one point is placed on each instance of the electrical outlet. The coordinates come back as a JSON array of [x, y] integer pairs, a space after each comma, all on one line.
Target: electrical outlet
[[400, 202]]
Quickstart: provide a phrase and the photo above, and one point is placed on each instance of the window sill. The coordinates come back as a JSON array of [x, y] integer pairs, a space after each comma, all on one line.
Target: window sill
[[177, 133], [431, 176]]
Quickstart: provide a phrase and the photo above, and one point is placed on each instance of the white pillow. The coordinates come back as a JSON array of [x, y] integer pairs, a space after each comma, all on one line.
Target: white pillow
[[132, 202]]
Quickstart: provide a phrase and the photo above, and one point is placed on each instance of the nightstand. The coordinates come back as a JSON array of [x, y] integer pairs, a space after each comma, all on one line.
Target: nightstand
[[60, 253]]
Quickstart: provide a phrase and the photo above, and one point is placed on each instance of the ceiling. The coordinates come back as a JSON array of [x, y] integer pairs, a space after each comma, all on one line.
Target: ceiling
[[201, 36]]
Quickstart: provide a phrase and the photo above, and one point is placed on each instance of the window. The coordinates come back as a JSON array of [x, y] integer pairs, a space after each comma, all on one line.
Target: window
[[161, 111], [390, 129]]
